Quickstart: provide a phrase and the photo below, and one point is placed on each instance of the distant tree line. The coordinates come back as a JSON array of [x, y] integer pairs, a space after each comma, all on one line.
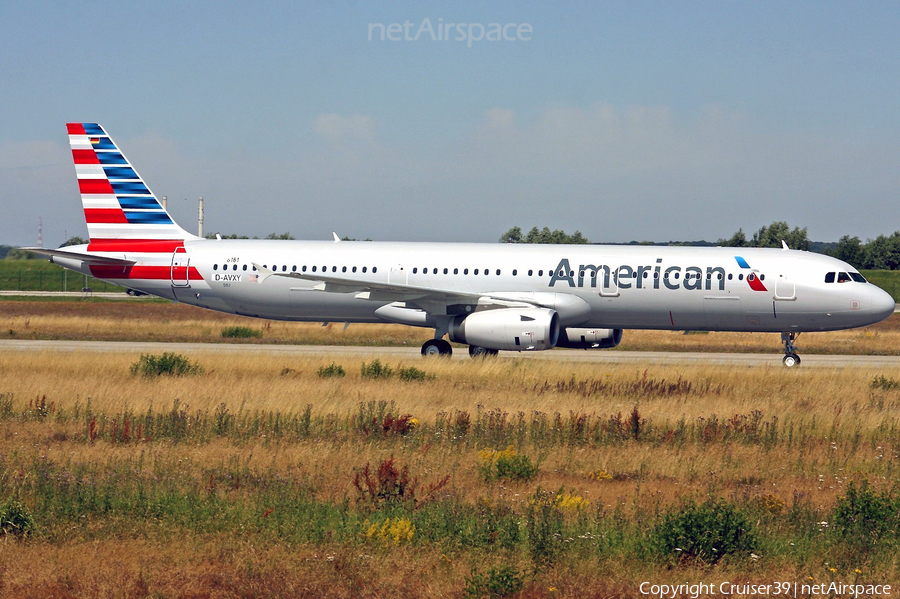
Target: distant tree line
[[881, 253], [544, 235], [236, 236]]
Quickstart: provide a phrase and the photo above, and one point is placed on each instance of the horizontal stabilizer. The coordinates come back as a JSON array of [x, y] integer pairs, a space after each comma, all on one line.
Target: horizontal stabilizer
[[87, 258]]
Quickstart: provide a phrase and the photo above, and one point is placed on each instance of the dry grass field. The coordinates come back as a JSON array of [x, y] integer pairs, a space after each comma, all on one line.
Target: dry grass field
[[495, 478], [151, 320]]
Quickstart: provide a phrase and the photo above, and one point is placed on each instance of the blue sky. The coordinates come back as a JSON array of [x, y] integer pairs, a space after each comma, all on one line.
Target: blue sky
[[625, 120]]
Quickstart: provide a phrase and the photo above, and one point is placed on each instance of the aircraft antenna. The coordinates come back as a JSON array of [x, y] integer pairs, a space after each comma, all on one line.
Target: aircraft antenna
[[200, 220]]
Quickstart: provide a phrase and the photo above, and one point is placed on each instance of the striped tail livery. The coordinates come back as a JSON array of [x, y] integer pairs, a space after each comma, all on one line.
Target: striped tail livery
[[119, 208]]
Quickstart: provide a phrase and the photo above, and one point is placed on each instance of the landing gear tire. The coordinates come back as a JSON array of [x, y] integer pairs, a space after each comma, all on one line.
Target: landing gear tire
[[791, 360], [437, 347], [476, 351]]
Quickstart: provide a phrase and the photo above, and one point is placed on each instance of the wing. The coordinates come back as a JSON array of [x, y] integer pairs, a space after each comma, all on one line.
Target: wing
[[433, 300]]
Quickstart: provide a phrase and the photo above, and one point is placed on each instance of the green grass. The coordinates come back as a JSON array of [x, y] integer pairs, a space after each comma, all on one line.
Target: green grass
[[56, 497], [41, 275]]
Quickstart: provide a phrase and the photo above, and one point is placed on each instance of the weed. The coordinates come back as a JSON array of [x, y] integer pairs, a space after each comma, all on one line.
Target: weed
[[391, 485], [331, 371], [496, 582], [6, 405], [15, 519], [885, 383], [241, 332], [168, 364], [376, 370], [414, 374], [706, 532], [506, 464], [865, 517], [544, 528]]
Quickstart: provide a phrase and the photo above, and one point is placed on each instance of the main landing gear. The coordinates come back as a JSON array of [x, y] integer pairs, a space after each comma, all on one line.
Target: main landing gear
[[476, 351], [437, 347], [790, 358]]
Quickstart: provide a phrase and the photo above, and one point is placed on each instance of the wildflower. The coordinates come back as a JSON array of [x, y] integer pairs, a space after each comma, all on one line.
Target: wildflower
[[393, 530], [754, 557], [570, 502], [858, 571], [832, 570], [413, 423], [599, 474]]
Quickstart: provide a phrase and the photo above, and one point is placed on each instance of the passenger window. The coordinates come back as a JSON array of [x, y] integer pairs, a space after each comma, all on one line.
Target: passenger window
[[456, 271], [364, 269], [515, 272], [334, 269], [541, 273], [314, 269], [374, 269], [445, 271], [829, 277], [245, 268], [354, 269], [415, 270], [304, 268], [465, 271], [498, 272], [476, 271], [530, 272], [215, 267], [343, 269]]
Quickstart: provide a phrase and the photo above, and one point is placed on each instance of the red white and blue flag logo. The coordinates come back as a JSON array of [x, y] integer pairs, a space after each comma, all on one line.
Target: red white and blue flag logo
[[753, 277]]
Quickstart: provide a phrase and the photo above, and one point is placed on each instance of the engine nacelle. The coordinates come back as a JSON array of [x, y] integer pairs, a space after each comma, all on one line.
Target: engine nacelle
[[589, 338], [526, 329]]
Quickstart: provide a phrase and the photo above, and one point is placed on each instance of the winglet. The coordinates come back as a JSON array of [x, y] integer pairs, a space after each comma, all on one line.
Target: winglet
[[336, 238], [784, 245], [264, 273]]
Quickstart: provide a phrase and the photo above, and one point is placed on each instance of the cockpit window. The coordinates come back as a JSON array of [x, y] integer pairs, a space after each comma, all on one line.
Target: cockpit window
[[843, 277], [829, 278], [857, 277]]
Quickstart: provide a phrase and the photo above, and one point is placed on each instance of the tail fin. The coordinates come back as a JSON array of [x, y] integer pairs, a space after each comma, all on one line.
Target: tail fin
[[119, 208]]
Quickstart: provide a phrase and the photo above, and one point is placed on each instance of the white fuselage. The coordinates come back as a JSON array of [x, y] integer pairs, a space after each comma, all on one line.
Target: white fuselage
[[638, 287]]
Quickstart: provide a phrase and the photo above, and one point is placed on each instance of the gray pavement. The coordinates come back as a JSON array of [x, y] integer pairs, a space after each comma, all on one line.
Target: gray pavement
[[596, 356]]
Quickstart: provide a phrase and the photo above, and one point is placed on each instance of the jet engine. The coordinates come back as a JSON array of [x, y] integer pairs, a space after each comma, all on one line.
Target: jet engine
[[525, 329], [589, 338]]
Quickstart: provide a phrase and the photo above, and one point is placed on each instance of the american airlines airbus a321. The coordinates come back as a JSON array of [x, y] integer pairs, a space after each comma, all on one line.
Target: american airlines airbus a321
[[488, 296]]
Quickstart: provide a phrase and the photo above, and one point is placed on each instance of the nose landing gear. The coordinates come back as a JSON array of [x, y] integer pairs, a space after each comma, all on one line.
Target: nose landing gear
[[790, 358]]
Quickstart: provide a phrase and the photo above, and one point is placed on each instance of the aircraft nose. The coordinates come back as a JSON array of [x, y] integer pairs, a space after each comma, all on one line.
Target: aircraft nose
[[881, 304]]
